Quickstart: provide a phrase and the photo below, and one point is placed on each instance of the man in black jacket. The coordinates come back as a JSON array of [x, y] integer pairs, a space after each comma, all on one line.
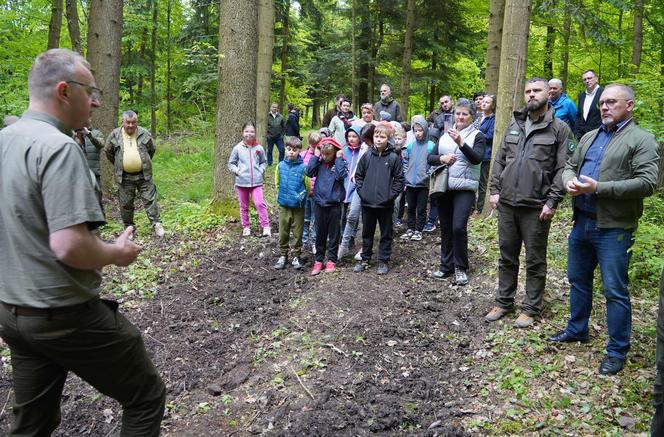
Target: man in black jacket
[[588, 117], [293, 122]]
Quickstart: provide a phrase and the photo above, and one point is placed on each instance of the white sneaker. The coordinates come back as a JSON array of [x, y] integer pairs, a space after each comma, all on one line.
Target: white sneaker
[[296, 263], [417, 236], [267, 232], [358, 255], [460, 277], [246, 232], [408, 234], [281, 263], [159, 230], [343, 251]]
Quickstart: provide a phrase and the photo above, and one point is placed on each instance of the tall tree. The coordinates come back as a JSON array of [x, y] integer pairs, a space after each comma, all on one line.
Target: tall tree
[[169, 126], [494, 41], [549, 46], [284, 54], [153, 69], [266, 16], [71, 10], [353, 70], [236, 96], [407, 55], [513, 57], [104, 53], [567, 32], [55, 25], [637, 38]]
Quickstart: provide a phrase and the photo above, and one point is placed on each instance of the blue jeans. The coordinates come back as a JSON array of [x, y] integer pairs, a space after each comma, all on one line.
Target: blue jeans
[[352, 220], [608, 247], [309, 222], [271, 142]]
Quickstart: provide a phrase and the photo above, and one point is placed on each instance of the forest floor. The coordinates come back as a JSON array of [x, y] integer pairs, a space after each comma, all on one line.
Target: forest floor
[[248, 350]]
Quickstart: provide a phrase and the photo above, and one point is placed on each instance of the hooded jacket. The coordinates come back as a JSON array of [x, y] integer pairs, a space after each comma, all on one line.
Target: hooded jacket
[[329, 189], [247, 163], [390, 106], [352, 157], [414, 155], [379, 178]]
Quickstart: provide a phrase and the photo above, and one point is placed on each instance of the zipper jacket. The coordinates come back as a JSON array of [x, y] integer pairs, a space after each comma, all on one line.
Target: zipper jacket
[[248, 164]]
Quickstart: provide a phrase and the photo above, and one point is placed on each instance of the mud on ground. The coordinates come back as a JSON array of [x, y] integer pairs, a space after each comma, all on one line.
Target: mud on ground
[[247, 350]]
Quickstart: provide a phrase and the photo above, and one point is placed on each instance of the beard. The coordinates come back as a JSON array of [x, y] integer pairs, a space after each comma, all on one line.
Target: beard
[[534, 105]]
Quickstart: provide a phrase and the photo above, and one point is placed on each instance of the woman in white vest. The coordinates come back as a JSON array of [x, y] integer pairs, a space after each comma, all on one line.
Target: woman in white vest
[[461, 148]]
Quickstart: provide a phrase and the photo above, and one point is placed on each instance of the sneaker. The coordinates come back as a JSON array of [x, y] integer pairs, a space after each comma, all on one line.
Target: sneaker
[[159, 230], [313, 249], [438, 274], [397, 223], [417, 236], [296, 263], [523, 321], [281, 263], [358, 255], [460, 277], [429, 227], [382, 269], [267, 232], [246, 232], [408, 235], [496, 313], [343, 251], [361, 266], [318, 266], [329, 267]]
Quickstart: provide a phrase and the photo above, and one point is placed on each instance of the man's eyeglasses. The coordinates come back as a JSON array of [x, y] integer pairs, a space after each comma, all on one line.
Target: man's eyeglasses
[[610, 102], [92, 91]]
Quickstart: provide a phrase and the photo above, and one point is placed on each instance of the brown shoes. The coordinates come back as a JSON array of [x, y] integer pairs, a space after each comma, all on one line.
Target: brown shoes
[[496, 313], [523, 321]]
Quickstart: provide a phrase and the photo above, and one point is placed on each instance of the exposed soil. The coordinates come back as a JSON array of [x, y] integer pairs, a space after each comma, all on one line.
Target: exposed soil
[[245, 349]]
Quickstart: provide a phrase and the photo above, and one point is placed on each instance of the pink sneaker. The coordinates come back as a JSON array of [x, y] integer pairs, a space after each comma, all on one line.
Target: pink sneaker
[[329, 267], [318, 266]]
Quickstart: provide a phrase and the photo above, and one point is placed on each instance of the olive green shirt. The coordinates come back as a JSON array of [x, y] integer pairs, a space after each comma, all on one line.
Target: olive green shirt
[[45, 186]]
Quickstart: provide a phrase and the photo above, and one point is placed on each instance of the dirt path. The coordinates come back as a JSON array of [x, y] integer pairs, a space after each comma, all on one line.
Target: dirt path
[[246, 350]]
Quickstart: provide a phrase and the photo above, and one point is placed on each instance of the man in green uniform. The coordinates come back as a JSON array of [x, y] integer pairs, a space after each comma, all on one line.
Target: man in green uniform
[[51, 316], [130, 149]]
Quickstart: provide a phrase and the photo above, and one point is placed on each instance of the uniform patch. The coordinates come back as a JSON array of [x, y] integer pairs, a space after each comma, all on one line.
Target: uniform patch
[[571, 146]]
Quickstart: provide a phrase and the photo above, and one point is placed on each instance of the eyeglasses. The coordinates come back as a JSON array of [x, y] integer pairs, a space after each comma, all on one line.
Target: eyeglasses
[[610, 102], [92, 91]]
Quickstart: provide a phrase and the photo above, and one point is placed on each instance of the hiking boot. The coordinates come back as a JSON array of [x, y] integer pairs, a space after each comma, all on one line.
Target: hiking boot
[[281, 263], [318, 266], [267, 232], [361, 266], [382, 269], [438, 274], [159, 230], [417, 236], [246, 232], [296, 263], [358, 255], [429, 227], [496, 313], [523, 321], [460, 277], [408, 234], [343, 251], [329, 267]]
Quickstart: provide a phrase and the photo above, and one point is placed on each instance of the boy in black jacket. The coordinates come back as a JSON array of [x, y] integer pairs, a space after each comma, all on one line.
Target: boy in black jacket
[[379, 180]]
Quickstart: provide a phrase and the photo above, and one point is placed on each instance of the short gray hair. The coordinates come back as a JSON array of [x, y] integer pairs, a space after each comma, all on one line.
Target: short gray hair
[[465, 103], [51, 67], [556, 81], [627, 91], [129, 115]]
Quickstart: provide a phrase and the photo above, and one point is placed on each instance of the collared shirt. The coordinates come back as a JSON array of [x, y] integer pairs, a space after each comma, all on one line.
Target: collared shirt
[[592, 163], [588, 102]]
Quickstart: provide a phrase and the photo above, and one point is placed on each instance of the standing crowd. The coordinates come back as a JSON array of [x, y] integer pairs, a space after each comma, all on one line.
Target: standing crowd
[[369, 169]]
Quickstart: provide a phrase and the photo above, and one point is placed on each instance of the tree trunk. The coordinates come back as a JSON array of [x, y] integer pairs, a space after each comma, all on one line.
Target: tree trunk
[[353, 79], [513, 56], [494, 41], [55, 25], [153, 70], [637, 39], [264, 65], [104, 54], [549, 47], [72, 25], [169, 126], [407, 55], [433, 97], [365, 47], [315, 110], [567, 31], [236, 96], [284, 58], [620, 26]]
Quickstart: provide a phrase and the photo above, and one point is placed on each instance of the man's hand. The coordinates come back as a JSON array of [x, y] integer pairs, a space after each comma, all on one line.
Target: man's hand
[[582, 185], [547, 213], [493, 200], [127, 250]]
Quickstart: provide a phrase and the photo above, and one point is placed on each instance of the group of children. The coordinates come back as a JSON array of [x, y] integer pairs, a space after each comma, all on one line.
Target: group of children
[[330, 186]]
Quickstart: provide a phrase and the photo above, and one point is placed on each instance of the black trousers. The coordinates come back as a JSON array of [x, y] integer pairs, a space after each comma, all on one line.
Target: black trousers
[[453, 211], [484, 184], [328, 231], [657, 425], [382, 216], [417, 198]]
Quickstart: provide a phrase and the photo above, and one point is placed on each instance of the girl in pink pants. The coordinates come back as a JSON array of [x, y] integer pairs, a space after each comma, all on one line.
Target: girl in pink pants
[[248, 163]]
